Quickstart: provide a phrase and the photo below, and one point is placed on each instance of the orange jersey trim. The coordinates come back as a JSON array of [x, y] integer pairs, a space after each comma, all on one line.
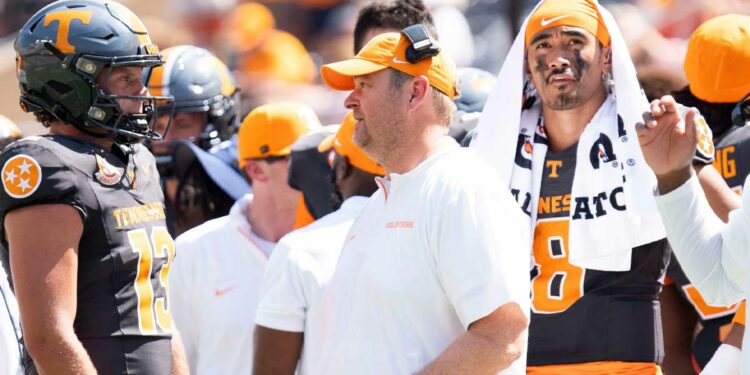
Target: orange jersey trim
[[302, 217], [591, 368], [739, 315]]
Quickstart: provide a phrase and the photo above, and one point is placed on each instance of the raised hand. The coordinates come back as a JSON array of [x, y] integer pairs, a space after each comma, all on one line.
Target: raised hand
[[668, 142]]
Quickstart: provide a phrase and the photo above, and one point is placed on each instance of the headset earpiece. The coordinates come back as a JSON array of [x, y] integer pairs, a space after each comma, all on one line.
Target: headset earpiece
[[422, 45]]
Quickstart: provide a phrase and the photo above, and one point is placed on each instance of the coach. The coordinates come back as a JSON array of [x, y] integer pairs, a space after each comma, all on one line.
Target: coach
[[433, 275]]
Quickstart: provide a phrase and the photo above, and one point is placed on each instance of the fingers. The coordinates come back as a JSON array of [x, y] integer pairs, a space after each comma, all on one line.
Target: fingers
[[669, 104], [660, 107], [657, 110], [690, 124]]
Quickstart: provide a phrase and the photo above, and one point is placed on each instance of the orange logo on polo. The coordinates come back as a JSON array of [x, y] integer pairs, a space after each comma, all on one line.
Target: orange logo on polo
[[21, 176], [64, 18]]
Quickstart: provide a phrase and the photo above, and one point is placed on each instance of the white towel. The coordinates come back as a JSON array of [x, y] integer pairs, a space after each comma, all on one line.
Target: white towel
[[605, 242]]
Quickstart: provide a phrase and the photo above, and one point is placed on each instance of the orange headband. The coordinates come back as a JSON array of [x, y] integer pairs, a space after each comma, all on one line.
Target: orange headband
[[577, 13]]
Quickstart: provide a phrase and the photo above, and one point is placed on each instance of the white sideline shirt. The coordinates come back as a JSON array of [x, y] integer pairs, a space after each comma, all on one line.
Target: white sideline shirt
[[10, 330], [715, 256], [214, 288], [434, 250], [300, 267]]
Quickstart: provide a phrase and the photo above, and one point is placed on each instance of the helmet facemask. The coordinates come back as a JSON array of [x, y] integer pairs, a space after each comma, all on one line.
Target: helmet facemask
[[107, 113]]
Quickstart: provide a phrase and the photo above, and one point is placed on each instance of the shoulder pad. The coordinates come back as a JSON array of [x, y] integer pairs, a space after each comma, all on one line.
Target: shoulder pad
[[31, 172]]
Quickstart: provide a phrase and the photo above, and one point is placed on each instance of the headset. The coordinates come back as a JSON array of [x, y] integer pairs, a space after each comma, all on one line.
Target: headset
[[422, 45], [741, 112]]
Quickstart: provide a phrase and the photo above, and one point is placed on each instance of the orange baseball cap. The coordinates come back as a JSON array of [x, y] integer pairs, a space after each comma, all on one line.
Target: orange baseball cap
[[271, 129], [344, 146], [388, 50], [717, 59], [577, 13]]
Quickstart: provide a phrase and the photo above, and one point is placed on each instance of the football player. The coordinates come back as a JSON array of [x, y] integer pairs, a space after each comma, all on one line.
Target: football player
[[599, 252], [206, 102], [82, 210]]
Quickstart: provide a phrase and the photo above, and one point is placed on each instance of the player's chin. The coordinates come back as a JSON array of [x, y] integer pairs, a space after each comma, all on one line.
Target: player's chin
[[564, 101]]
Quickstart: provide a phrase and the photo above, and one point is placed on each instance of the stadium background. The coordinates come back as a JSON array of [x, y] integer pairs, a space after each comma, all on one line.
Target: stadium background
[[270, 64]]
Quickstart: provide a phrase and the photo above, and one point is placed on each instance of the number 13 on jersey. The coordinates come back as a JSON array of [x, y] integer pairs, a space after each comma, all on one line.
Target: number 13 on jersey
[[152, 310], [557, 284]]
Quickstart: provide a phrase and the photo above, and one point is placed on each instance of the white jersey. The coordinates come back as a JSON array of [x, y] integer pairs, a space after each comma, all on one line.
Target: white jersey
[[10, 331], [300, 267], [214, 287], [434, 250], [715, 256]]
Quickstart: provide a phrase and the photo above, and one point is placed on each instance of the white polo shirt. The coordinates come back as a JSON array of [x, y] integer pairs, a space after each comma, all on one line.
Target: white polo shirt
[[300, 267], [715, 256], [434, 250], [10, 330], [214, 288]]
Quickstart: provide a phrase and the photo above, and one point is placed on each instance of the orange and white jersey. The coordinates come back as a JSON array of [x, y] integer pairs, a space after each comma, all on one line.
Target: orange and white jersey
[[715, 256], [214, 290], [298, 271], [434, 250]]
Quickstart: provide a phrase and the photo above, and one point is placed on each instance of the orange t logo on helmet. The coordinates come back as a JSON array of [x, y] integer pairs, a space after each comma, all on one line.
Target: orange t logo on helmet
[[64, 18]]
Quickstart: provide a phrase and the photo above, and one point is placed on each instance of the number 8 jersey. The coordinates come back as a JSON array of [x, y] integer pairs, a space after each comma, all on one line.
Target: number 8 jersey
[[124, 254], [581, 316]]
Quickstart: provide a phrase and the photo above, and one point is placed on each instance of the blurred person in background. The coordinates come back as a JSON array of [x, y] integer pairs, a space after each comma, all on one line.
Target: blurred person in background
[[209, 182], [203, 17], [270, 64], [310, 172], [716, 70], [657, 82], [391, 16], [206, 112], [475, 86], [9, 132], [11, 344], [215, 281], [304, 260], [453, 28]]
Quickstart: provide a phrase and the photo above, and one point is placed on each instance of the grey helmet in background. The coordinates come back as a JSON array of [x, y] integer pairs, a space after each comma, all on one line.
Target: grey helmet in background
[[199, 82], [475, 86]]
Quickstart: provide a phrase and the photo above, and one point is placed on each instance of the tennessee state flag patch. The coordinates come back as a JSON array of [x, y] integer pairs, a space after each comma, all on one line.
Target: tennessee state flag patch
[[22, 175], [704, 151], [108, 174]]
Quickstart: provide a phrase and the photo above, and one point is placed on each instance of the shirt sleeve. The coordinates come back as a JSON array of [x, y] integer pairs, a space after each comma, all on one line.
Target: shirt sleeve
[[713, 255], [282, 305], [33, 174], [482, 243]]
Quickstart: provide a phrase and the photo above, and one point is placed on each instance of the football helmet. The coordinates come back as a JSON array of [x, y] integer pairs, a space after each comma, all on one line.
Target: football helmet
[[65, 47], [200, 82]]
